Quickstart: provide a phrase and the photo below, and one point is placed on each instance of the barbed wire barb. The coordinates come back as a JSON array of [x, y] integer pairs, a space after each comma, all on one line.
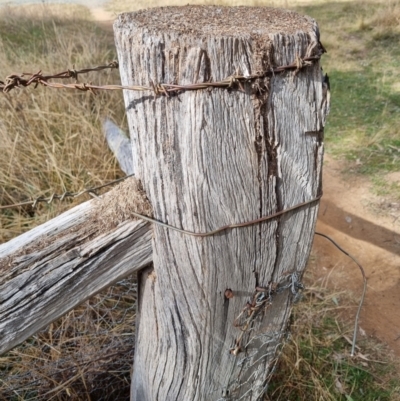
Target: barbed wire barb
[[235, 80]]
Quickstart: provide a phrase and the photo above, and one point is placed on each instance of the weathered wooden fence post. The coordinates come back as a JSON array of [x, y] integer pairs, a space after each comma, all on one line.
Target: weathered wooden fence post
[[212, 157]]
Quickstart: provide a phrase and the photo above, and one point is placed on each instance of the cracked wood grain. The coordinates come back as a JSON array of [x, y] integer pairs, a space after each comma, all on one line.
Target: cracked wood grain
[[51, 269]]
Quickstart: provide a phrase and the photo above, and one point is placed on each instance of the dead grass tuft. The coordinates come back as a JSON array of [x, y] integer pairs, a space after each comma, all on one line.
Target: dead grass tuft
[[116, 205]]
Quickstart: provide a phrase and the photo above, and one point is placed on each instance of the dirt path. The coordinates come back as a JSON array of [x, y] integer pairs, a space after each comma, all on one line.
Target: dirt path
[[347, 215]]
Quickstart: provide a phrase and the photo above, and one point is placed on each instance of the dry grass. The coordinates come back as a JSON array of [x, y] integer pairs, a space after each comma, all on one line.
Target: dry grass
[[86, 355], [51, 139], [386, 22]]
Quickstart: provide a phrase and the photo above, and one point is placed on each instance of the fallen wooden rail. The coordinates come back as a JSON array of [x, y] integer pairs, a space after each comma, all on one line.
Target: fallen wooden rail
[[51, 269]]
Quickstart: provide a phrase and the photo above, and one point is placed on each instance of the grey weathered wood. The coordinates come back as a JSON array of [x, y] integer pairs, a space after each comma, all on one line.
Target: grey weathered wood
[[120, 145], [49, 270], [73, 217], [213, 157]]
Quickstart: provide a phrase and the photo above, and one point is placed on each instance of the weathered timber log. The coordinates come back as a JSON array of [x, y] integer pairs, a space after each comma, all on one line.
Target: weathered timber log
[[49, 270], [211, 157]]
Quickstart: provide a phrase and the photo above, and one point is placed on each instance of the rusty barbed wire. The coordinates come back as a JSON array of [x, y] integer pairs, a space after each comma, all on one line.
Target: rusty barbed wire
[[15, 81], [66, 194]]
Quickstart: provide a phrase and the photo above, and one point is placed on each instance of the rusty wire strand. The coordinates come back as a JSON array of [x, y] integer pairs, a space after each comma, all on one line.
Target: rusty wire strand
[[15, 81], [353, 346], [228, 226], [66, 194]]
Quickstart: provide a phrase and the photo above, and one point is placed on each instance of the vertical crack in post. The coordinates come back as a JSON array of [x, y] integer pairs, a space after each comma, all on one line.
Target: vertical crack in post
[[266, 148], [262, 53], [273, 173]]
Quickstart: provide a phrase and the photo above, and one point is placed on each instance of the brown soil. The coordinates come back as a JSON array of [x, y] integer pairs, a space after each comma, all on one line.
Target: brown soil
[[368, 228]]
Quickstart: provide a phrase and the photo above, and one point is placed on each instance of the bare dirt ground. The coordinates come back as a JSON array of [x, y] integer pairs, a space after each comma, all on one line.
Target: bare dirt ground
[[368, 227]]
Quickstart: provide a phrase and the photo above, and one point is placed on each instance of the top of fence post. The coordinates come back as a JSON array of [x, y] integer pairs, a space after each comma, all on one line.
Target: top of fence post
[[232, 133]]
